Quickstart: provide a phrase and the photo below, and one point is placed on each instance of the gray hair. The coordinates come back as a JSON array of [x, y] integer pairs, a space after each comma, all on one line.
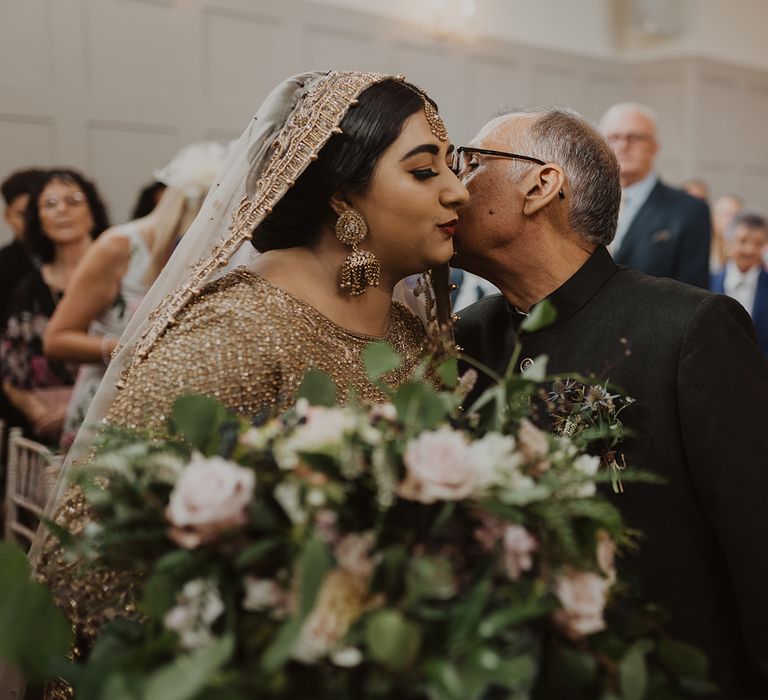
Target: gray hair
[[622, 108], [747, 219], [593, 192]]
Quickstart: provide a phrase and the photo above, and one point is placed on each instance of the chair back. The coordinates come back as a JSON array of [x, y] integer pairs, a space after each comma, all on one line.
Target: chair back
[[31, 472]]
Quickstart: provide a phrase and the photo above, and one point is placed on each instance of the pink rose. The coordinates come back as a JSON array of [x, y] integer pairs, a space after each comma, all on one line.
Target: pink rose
[[210, 496], [583, 595], [440, 467], [519, 545], [534, 445]]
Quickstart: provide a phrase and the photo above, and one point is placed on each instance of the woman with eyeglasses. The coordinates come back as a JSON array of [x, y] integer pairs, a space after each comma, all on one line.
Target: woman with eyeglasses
[[63, 216]]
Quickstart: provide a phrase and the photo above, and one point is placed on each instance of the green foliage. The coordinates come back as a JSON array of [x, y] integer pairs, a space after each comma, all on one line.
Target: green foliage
[[380, 358], [35, 634], [317, 388], [198, 419], [314, 564], [542, 314], [391, 639]]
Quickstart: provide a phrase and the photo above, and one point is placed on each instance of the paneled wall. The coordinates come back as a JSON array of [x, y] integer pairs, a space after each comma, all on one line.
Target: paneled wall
[[116, 87]]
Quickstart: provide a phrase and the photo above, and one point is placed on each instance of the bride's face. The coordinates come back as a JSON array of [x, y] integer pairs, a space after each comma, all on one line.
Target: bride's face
[[411, 203]]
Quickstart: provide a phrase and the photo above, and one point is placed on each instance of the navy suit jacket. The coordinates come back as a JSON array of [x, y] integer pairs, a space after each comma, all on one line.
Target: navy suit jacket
[[759, 310], [669, 237]]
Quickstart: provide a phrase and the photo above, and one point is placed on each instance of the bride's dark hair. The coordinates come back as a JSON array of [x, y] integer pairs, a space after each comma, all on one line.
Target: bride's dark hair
[[347, 162]]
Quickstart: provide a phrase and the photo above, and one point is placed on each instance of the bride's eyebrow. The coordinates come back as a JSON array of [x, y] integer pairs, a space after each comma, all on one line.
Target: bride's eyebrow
[[424, 148]]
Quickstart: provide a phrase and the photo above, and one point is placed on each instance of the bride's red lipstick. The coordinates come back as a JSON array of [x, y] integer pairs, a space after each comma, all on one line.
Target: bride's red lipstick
[[449, 227]]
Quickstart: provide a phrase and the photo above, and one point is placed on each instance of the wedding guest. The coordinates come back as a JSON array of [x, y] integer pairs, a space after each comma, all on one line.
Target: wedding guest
[[723, 211], [148, 199], [111, 280], [538, 227], [15, 259], [743, 276], [696, 188], [662, 231], [64, 214]]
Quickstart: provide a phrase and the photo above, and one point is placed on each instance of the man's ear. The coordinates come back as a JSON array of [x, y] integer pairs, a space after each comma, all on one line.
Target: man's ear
[[546, 186]]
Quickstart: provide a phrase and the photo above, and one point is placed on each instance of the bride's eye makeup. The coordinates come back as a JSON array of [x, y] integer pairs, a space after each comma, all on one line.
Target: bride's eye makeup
[[424, 173]]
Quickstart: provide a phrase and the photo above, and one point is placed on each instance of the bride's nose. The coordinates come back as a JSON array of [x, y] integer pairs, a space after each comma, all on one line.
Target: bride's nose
[[456, 194]]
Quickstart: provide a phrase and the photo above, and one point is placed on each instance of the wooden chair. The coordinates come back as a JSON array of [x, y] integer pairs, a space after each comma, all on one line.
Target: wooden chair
[[31, 473]]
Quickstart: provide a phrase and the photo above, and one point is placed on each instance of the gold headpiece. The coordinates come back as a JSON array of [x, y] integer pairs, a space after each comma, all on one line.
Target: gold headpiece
[[436, 125]]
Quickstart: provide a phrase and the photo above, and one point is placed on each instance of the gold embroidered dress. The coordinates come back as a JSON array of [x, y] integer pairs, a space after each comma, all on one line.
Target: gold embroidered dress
[[239, 338], [248, 344]]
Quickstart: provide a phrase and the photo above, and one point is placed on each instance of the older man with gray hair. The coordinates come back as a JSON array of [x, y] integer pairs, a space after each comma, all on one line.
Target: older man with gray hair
[[544, 201], [662, 231]]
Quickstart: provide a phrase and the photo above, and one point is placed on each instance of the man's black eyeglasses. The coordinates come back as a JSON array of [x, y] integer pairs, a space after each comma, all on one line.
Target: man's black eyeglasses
[[458, 159]]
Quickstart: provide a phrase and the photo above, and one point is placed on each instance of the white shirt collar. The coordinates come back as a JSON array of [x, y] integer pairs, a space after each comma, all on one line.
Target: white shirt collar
[[742, 286], [639, 191]]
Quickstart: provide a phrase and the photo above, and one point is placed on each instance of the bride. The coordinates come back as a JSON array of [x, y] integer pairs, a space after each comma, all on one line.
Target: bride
[[342, 184], [377, 202]]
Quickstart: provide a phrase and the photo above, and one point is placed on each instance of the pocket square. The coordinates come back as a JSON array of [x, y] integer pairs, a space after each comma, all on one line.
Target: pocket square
[[661, 236]]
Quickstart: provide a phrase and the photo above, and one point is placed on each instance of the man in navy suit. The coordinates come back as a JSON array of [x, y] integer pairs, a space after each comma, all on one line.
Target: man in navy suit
[[662, 231], [743, 276]]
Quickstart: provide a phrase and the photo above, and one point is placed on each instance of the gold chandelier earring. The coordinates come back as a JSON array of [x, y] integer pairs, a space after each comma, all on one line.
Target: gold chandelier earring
[[361, 268]]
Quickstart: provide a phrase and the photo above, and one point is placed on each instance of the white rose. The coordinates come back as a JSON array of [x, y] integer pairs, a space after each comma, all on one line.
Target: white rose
[[498, 463], [323, 432], [440, 467], [210, 496], [587, 465], [261, 594]]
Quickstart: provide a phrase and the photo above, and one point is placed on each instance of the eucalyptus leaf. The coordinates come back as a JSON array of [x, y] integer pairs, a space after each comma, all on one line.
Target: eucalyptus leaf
[[380, 358], [317, 388], [187, 676], [391, 639], [633, 675], [198, 419], [542, 314], [682, 659], [35, 633], [448, 372]]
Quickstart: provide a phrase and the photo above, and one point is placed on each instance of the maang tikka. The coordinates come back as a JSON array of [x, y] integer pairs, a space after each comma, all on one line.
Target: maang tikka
[[361, 268]]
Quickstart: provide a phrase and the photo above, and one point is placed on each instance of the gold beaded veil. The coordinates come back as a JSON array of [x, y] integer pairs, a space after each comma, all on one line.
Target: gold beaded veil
[[298, 117]]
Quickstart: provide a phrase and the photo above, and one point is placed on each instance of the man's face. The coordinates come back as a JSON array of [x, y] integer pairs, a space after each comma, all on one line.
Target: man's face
[[15, 215], [632, 136], [494, 211], [746, 247]]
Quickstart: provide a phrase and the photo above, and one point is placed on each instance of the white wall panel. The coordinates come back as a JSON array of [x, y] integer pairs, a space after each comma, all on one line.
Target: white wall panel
[[242, 62], [25, 48], [122, 158], [495, 85], [327, 48]]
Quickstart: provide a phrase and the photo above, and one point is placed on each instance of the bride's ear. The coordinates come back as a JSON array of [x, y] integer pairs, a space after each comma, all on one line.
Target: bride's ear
[[340, 203]]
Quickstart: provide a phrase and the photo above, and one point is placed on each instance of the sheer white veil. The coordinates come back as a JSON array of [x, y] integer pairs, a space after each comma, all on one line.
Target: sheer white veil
[[291, 126]]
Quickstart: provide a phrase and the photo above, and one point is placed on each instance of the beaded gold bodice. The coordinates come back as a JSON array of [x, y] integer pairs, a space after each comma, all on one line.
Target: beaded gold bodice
[[248, 344]]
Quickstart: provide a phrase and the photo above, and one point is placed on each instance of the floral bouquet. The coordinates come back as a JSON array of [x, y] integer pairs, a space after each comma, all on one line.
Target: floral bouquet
[[408, 550]]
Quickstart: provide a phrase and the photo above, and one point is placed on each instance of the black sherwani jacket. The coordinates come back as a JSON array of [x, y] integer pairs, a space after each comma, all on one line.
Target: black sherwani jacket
[[691, 361], [669, 237]]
